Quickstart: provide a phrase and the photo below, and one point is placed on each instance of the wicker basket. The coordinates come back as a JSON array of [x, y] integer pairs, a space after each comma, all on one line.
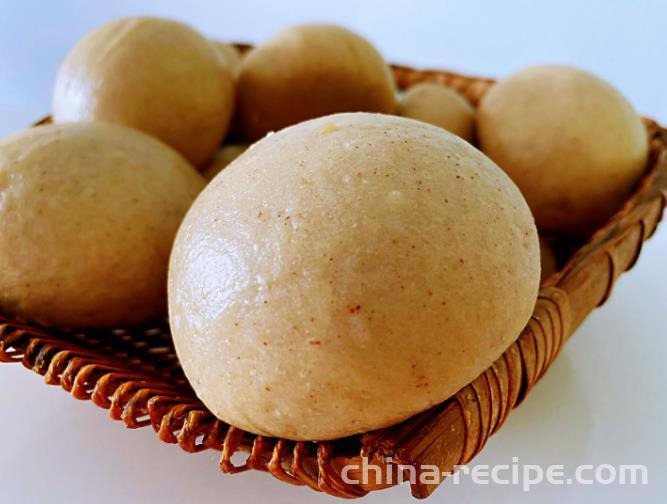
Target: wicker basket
[[136, 376]]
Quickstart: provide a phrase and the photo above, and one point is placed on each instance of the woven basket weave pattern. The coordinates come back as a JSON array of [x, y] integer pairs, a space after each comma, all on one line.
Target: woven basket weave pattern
[[136, 375]]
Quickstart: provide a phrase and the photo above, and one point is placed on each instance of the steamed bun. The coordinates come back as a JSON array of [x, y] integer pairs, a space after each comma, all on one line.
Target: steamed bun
[[89, 213], [155, 75], [571, 142], [439, 105], [369, 284], [309, 71]]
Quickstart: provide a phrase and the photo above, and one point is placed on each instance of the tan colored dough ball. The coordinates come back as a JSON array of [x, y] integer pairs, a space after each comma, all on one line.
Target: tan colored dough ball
[[230, 55], [89, 213], [347, 273], [224, 156], [310, 71], [441, 106], [571, 142], [155, 75]]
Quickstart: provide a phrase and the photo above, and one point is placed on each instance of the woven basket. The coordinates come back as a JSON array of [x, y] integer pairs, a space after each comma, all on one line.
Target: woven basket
[[136, 375]]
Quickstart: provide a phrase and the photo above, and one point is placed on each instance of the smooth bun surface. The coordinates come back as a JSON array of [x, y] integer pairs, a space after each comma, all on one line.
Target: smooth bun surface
[[155, 75], [89, 213], [310, 71], [441, 106], [346, 273], [571, 142]]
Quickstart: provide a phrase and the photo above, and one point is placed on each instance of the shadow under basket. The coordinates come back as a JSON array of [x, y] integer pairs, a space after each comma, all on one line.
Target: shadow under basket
[[136, 375]]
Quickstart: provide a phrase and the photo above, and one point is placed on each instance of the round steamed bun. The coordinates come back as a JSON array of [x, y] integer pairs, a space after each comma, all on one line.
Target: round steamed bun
[[310, 71], [89, 213], [441, 106], [155, 75], [346, 273], [571, 142]]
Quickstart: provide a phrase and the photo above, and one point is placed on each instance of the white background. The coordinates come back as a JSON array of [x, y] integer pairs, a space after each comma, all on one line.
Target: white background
[[602, 402]]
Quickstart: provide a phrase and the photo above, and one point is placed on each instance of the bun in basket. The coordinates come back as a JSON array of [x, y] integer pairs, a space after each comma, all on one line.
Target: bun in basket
[[310, 71], [571, 142], [155, 75], [89, 213], [346, 273], [441, 106]]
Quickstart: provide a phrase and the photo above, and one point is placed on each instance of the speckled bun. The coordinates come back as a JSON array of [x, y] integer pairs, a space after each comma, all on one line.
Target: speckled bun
[[570, 141], [155, 75], [439, 105], [310, 71], [89, 213], [348, 272]]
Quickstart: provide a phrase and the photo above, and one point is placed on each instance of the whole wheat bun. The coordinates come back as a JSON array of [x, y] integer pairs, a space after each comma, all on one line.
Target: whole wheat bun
[[346, 273], [310, 71], [570, 141], [89, 213], [439, 105], [155, 75]]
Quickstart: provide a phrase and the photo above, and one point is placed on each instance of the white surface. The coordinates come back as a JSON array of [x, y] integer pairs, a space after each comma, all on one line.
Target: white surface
[[603, 401]]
